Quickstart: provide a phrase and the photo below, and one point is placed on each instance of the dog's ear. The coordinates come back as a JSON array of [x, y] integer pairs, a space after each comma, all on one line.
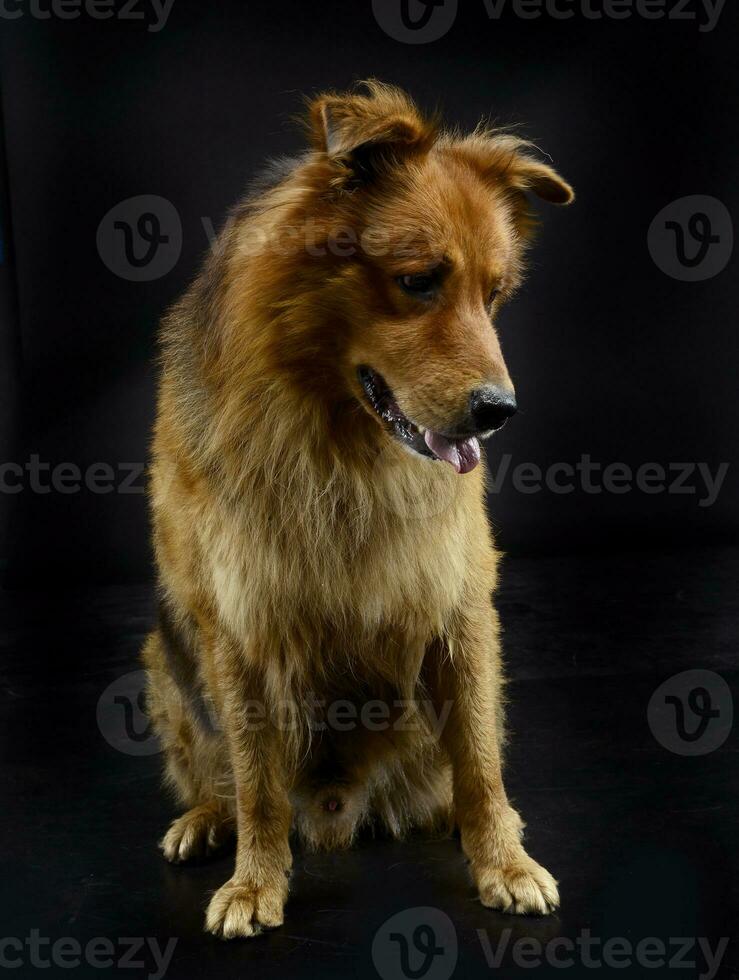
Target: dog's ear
[[528, 174], [360, 133], [525, 175], [507, 163]]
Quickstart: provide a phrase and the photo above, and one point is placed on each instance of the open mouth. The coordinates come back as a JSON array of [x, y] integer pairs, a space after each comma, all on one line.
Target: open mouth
[[463, 454]]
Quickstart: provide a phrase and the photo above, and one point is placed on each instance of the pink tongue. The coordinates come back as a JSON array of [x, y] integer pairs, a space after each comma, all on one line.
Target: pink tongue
[[463, 456]]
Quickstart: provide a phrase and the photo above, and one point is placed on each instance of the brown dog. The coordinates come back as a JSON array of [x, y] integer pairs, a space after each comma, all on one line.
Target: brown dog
[[327, 655]]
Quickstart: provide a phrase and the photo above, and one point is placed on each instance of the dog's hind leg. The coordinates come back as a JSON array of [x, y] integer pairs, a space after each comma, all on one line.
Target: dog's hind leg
[[198, 833], [413, 791], [196, 765]]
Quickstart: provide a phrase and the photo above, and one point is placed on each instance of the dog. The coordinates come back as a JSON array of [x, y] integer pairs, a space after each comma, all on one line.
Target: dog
[[327, 653]]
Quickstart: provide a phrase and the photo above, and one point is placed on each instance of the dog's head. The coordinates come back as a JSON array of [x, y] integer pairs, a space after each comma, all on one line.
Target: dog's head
[[425, 232]]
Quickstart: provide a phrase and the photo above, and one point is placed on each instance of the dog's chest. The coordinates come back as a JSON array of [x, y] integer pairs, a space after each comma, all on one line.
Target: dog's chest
[[281, 578]]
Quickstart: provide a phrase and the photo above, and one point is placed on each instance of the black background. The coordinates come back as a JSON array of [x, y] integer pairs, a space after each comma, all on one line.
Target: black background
[[604, 597], [611, 357]]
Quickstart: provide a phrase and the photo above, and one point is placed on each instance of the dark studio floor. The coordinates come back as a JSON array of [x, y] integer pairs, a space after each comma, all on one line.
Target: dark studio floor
[[642, 838]]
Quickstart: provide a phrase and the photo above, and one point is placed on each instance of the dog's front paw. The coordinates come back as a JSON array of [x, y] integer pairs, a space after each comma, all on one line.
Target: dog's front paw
[[522, 887], [240, 909]]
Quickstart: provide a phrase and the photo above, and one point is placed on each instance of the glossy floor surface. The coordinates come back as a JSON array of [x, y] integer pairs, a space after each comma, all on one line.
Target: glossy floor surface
[[630, 791]]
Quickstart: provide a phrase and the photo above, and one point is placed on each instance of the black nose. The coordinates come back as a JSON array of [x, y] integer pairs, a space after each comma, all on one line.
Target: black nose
[[491, 407]]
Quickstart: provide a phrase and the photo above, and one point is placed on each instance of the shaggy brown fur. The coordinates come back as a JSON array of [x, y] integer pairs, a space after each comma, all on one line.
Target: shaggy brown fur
[[315, 569]]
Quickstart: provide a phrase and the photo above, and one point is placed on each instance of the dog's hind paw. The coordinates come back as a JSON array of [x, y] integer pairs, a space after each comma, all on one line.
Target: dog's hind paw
[[197, 833], [523, 888], [240, 910]]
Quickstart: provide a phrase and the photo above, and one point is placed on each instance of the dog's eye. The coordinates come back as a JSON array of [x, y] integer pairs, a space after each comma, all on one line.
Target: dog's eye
[[421, 285]]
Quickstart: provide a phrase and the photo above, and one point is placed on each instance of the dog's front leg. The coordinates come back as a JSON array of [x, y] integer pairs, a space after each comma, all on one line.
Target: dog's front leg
[[468, 675], [255, 895]]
